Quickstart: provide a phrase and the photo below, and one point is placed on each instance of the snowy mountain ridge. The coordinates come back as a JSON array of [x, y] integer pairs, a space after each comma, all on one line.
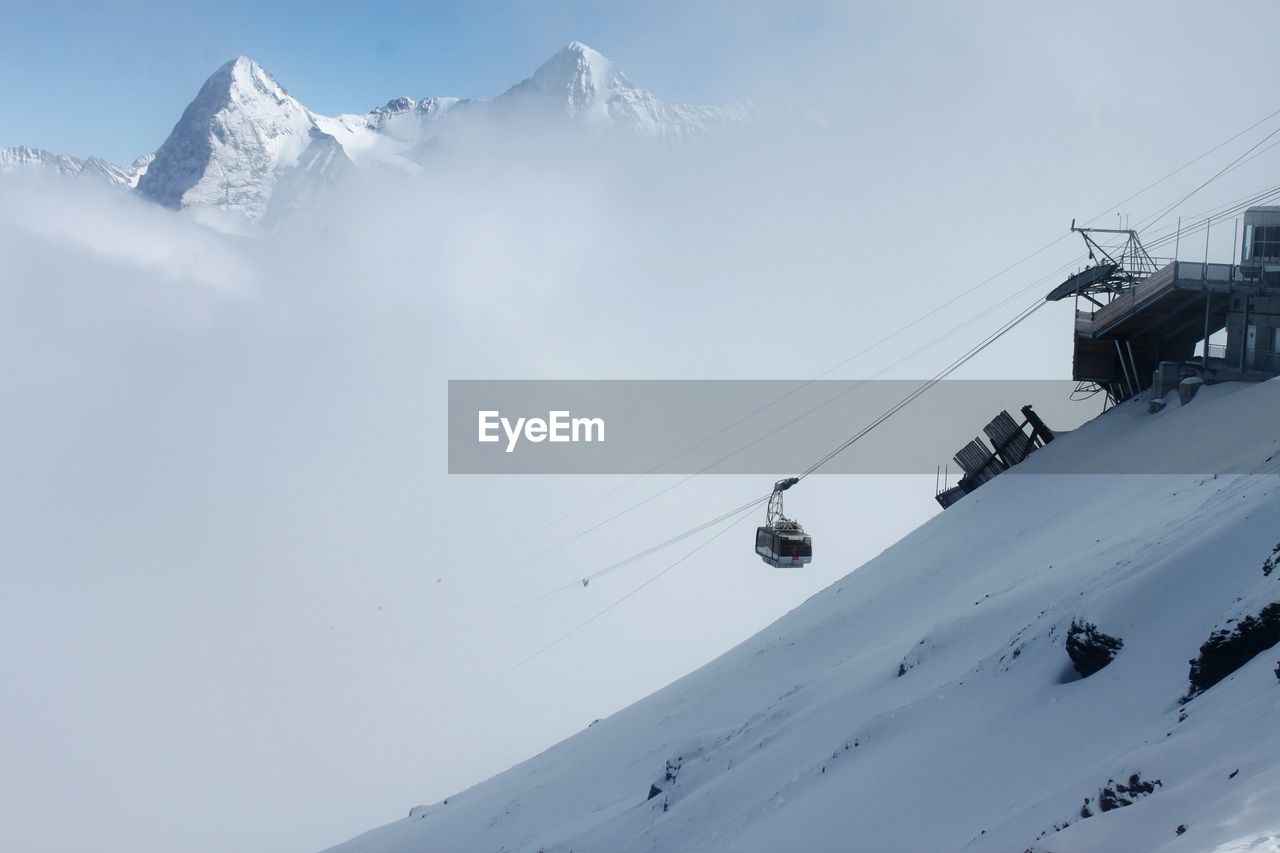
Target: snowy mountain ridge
[[928, 702], [577, 77], [21, 157], [245, 144], [230, 142]]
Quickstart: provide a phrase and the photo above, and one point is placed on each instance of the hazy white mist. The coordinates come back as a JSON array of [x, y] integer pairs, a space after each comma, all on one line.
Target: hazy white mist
[[226, 532]]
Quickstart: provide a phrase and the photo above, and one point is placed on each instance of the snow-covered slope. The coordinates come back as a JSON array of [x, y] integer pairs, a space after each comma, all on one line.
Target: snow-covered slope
[[22, 158], [926, 702]]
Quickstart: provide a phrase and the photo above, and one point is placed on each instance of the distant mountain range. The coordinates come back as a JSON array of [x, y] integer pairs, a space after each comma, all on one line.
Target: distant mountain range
[[22, 157], [246, 144]]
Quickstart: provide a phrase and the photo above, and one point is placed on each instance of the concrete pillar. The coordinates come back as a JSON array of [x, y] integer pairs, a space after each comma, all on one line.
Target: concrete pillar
[[1187, 389]]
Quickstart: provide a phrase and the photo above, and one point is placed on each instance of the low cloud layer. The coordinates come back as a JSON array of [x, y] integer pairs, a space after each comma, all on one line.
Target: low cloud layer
[[225, 523]]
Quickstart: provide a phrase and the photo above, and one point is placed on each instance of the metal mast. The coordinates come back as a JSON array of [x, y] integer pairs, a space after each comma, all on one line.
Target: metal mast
[[774, 516]]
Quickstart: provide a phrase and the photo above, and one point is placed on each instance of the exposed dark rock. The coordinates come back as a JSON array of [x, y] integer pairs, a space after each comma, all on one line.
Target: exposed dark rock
[[912, 659], [1115, 796], [1226, 651], [1111, 796], [1090, 649], [1109, 800], [654, 791], [1269, 564], [1182, 827]]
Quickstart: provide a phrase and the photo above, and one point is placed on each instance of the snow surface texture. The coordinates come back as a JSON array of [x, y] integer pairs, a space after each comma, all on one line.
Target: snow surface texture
[[245, 144], [926, 701]]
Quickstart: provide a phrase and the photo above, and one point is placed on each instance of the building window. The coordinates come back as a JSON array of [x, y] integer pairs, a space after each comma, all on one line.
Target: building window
[[1265, 242]]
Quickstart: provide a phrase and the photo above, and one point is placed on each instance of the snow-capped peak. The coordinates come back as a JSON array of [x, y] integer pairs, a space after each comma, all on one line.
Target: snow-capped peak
[[586, 86], [577, 74], [243, 133], [226, 149], [250, 80]]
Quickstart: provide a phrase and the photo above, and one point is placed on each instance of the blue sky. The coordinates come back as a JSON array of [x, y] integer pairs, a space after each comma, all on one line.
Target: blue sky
[[112, 78]]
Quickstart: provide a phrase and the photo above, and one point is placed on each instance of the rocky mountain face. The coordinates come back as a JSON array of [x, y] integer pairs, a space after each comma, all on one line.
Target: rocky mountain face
[[231, 142], [246, 144]]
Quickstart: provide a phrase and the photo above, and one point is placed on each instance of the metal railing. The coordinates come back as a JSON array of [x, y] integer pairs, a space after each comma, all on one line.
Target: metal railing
[[1211, 272], [1268, 362], [1256, 274]]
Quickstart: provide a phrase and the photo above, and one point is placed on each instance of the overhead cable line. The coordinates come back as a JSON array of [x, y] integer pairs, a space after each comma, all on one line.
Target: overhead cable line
[[1022, 316], [741, 512], [1248, 155], [885, 339], [599, 613], [1165, 212]]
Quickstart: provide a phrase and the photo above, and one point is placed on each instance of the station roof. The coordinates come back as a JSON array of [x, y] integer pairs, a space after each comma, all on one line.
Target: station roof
[[1082, 281]]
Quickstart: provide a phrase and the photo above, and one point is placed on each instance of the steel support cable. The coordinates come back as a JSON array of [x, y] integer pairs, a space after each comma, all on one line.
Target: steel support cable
[[582, 581], [599, 613], [1165, 212], [955, 365], [1008, 326], [744, 418], [992, 338], [613, 567], [661, 546], [954, 330], [1188, 164], [776, 430], [862, 382], [1195, 222], [1224, 212], [1168, 232], [923, 388], [916, 393], [1239, 161], [740, 512], [1266, 195]]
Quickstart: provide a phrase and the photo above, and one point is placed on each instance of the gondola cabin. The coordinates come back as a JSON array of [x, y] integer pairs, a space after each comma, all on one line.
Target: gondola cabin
[[784, 546], [782, 543]]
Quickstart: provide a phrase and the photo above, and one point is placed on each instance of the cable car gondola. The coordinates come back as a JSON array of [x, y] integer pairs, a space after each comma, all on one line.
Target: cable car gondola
[[782, 542]]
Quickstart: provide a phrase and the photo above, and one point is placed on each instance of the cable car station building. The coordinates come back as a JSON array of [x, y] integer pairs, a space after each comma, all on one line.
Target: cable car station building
[[1133, 314]]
